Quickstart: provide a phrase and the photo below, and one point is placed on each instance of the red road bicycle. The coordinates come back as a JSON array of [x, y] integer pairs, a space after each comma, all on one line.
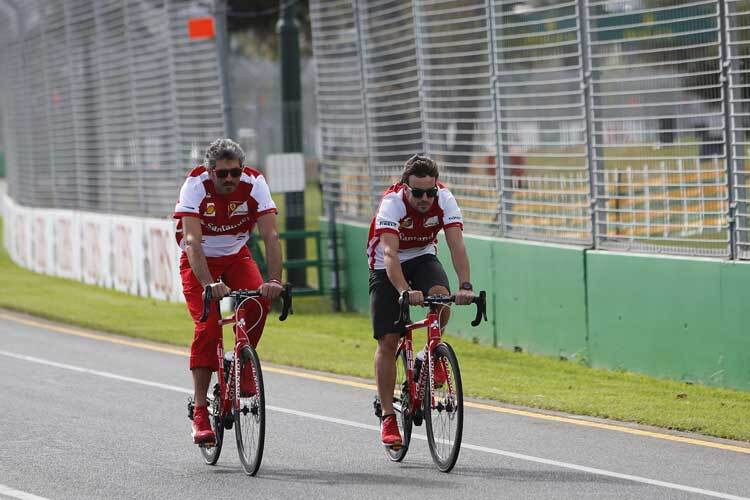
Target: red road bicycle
[[418, 396], [227, 407]]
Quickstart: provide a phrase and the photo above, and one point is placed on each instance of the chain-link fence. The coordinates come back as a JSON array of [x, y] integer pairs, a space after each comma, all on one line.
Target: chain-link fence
[[620, 124], [107, 103]]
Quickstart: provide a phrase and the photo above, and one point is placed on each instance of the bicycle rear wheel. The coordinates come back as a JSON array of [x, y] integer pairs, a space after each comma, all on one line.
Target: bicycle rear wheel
[[444, 410], [250, 418], [402, 408], [211, 455]]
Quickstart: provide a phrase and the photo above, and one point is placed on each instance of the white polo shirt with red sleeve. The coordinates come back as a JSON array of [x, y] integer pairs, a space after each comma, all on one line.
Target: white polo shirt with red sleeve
[[417, 232], [226, 220]]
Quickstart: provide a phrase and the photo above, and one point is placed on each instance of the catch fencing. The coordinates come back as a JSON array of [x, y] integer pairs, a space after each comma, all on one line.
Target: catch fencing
[[615, 124], [107, 103]]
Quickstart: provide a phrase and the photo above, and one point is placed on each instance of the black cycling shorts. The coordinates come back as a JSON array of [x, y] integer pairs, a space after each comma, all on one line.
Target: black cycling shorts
[[422, 273]]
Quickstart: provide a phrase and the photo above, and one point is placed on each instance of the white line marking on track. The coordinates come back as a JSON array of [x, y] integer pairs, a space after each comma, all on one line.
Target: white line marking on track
[[574, 420], [22, 495], [350, 423]]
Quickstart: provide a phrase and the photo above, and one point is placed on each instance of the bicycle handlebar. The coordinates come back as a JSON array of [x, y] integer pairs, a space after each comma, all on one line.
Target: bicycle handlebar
[[238, 295], [480, 300]]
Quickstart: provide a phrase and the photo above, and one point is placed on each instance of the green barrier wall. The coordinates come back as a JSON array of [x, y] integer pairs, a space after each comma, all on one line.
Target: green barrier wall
[[670, 317], [734, 332], [355, 267], [678, 318]]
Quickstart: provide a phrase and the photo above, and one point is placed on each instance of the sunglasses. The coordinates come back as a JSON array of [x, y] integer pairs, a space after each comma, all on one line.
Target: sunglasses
[[234, 172], [418, 193]]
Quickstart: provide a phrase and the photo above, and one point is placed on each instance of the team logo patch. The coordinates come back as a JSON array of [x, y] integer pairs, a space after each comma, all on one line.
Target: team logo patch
[[237, 208], [210, 209], [432, 221], [407, 223]]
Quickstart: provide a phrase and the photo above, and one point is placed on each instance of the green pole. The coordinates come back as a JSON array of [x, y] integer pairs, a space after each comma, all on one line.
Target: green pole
[[291, 125]]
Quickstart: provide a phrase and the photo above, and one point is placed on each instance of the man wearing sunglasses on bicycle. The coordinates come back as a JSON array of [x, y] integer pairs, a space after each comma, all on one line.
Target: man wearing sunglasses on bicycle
[[219, 204], [402, 251]]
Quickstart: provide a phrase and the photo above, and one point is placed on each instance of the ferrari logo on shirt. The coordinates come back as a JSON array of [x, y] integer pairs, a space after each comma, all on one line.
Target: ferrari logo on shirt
[[210, 209], [432, 221], [407, 223], [237, 208]]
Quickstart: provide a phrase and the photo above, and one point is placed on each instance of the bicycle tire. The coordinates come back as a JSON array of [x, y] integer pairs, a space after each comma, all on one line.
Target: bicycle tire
[[211, 455], [444, 410], [402, 407], [250, 419]]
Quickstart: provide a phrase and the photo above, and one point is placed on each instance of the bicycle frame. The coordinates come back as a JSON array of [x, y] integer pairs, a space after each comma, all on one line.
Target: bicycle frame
[[229, 384], [422, 401], [432, 323], [434, 337]]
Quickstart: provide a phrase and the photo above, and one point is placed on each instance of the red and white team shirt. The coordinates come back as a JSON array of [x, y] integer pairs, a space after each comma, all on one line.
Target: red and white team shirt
[[226, 220], [417, 232]]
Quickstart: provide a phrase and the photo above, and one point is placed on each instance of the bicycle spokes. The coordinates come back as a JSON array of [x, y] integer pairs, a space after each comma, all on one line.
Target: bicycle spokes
[[443, 408], [250, 414], [402, 407]]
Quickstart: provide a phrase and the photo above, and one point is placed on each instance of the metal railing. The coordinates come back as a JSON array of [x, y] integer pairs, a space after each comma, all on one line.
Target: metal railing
[[107, 103], [345, 176], [613, 124]]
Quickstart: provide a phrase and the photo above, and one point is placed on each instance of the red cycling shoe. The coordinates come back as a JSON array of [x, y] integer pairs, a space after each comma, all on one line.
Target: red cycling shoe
[[202, 433], [389, 434]]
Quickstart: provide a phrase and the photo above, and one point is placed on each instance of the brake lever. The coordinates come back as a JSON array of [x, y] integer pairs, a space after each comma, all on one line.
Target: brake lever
[[481, 303], [206, 304], [403, 314], [286, 297]]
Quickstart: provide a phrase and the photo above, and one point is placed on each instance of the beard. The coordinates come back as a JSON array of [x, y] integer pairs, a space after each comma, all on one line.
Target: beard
[[226, 187]]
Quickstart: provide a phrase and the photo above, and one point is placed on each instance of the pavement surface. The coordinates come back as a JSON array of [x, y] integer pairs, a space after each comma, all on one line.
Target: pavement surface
[[90, 415]]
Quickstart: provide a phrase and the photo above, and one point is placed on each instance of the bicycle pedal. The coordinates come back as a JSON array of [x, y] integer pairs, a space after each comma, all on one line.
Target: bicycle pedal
[[207, 445], [377, 407], [191, 408], [395, 447]]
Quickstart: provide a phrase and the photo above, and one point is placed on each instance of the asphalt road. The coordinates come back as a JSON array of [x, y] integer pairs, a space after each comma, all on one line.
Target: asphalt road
[[86, 415]]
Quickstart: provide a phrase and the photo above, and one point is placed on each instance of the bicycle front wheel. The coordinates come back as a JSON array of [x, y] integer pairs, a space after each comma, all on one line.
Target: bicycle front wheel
[[402, 408], [443, 408], [211, 454], [250, 417]]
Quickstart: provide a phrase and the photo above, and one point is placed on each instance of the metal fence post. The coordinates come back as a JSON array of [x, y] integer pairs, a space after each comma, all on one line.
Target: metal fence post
[[420, 71], [333, 243], [499, 152], [726, 88], [587, 83], [73, 82], [222, 46], [361, 51]]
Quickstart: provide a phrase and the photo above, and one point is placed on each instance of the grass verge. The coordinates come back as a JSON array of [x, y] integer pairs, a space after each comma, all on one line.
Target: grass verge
[[316, 339]]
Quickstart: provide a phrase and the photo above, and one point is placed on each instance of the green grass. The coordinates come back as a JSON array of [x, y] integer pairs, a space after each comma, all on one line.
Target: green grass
[[316, 339]]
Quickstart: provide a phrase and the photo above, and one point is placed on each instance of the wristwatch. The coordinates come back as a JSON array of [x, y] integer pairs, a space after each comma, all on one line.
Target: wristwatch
[[466, 286]]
